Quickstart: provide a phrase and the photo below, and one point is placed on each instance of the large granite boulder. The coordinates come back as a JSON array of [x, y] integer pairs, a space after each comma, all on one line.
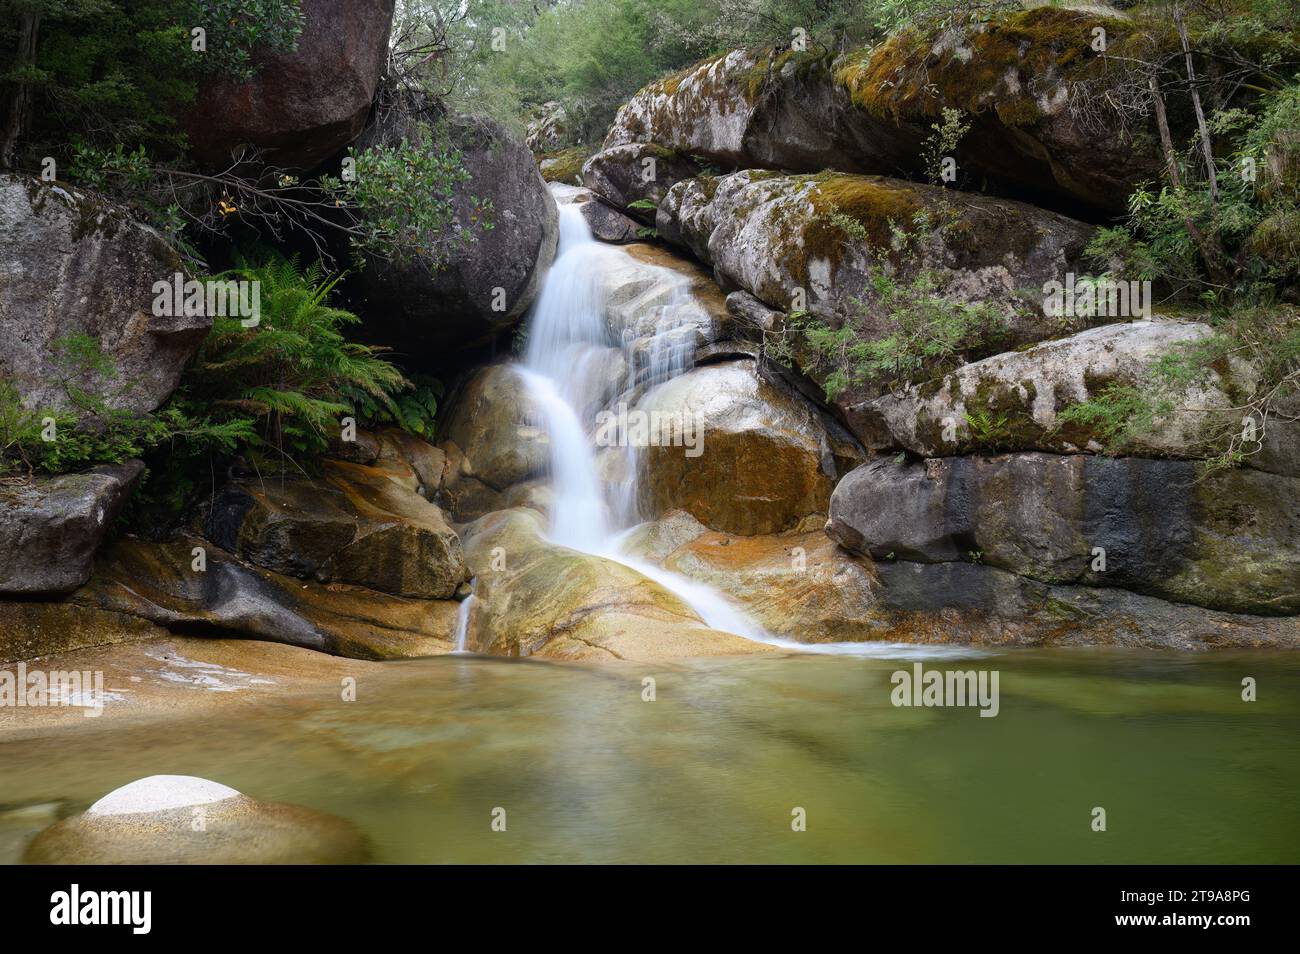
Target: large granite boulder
[[752, 458], [303, 106], [354, 525], [73, 265], [159, 582], [762, 109], [1225, 542], [636, 173], [812, 243], [430, 311], [533, 598], [1012, 401], [51, 527]]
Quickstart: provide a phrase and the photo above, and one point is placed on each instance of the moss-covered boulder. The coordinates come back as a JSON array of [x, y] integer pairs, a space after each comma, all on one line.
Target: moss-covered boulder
[[163, 583], [760, 108], [51, 527], [815, 241], [536, 599], [1151, 526], [75, 268], [1013, 401], [1039, 93], [751, 456], [630, 176]]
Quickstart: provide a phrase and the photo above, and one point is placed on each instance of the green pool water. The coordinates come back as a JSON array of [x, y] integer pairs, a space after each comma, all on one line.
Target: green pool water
[[587, 771]]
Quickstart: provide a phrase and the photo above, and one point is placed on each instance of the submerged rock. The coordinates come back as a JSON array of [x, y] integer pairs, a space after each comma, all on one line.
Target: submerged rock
[[303, 106], [985, 606], [183, 819], [430, 311], [74, 266], [1224, 542], [752, 458], [50, 528]]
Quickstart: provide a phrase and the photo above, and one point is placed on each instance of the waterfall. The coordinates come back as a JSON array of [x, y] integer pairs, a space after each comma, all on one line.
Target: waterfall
[[465, 618], [570, 360], [567, 366]]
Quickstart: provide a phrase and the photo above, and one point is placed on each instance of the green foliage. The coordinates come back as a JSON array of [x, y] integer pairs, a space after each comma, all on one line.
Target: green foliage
[[942, 142], [292, 376], [85, 429], [237, 28], [404, 199], [118, 72], [918, 330], [1265, 339]]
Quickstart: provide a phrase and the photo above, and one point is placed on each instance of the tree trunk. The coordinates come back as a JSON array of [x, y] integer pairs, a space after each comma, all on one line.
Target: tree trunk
[[1210, 253], [1201, 126], [20, 94]]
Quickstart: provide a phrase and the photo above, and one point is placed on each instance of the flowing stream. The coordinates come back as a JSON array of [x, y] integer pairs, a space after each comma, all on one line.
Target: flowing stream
[[572, 356]]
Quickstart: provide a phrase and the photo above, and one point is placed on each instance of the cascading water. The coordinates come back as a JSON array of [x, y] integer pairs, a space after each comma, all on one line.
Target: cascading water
[[567, 367], [572, 367]]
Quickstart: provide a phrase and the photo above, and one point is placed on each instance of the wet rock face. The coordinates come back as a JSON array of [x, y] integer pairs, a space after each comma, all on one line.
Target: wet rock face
[[606, 223], [353, 526], [71, 265], [753, 458], [31, 628], [486, 285], [158, 583], [537, 599], [182, 819], [1225, 542], [50, 528], [301, 107]]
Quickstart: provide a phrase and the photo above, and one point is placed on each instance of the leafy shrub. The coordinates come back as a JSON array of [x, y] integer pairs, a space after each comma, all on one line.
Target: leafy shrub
[[403, 199], [294, 375]]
